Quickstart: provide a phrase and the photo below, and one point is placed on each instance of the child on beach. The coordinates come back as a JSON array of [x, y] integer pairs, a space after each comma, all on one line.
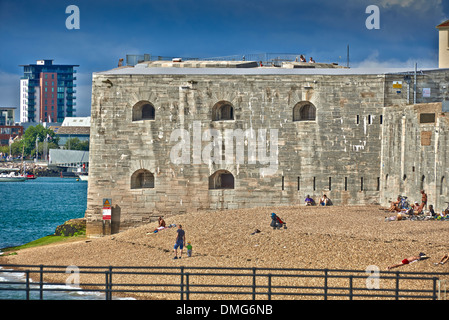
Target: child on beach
[[189, 249]]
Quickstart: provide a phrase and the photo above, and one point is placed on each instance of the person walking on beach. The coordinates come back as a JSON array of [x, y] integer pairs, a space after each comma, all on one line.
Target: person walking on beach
[[179, 242]]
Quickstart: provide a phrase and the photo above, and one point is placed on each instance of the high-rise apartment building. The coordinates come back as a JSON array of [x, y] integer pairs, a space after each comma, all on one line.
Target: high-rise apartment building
[[47, 92]]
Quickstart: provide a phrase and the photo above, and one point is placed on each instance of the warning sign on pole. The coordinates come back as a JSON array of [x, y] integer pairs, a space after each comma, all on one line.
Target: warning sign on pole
[[397, 84], [107, 209]]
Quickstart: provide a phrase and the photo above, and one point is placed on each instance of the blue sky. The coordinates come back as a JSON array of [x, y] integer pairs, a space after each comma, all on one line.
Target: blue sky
[[31, 30]]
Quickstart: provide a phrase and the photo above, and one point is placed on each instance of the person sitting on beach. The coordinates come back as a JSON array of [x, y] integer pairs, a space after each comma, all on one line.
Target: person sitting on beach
[[161, 222], [324, 201], [430, 214], [395, 205], [417, 208], [309, 201], [431, 211], [409, 260], [443, 215], [276, 223]]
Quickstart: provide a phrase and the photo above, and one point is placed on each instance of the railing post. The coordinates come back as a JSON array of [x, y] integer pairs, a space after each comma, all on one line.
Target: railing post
[[397, 285], [106, 286], [350, 287], [187, 286], [27, 272], [269, 286], [435, 297], [182, 283], [325, 283], [41, 282], [254, 283], [110, 283]]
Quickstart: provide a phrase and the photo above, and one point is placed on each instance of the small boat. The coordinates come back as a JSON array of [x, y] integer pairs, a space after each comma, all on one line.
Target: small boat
[[30, 176], [83, 176], [11, 175]]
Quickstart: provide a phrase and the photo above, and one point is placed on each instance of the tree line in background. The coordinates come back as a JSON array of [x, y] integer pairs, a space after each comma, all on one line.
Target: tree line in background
[[27, 143]]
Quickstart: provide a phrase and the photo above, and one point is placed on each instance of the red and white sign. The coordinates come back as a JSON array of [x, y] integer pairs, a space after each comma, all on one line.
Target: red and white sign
[[107, 210]]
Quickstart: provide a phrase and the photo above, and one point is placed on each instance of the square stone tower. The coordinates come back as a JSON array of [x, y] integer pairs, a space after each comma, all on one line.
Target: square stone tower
[[443, 29]]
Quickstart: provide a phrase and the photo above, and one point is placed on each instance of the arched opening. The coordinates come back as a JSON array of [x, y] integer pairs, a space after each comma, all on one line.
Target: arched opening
[[221, 179], [442, 186], [142, 179], [223, 110], [143, 110], [304, 111]]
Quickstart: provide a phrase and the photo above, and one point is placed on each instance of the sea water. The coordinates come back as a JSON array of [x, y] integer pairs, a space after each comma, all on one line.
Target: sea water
[[13, 287], [31, 210]]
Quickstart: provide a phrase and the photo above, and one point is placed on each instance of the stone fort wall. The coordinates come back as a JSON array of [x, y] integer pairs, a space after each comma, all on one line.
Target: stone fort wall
[[414, 154], [181, 148]]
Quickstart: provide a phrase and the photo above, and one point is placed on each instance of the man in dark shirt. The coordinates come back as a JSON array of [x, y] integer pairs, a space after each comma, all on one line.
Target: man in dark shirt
[[179, 242]]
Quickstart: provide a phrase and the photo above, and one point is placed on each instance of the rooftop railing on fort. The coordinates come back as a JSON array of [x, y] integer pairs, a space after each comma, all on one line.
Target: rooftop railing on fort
[[133, 59], [196, 283], [267, 59]]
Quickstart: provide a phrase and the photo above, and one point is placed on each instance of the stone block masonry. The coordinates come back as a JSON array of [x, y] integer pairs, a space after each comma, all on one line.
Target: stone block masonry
[[158, 138], [415, 153]]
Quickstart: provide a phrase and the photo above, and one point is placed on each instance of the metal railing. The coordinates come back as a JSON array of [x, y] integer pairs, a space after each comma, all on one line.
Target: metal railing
[[267, 59], [194, 283]]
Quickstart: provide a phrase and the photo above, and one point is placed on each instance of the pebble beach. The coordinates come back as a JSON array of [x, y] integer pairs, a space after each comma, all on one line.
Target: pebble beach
[[335, 237]]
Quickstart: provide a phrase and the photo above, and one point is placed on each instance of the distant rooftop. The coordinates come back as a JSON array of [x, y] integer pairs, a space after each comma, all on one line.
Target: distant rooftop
[[445, 24], [47, 63], [76, 122], [73, 130]]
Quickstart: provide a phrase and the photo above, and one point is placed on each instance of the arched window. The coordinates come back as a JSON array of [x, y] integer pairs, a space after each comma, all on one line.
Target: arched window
[[221, 179], [222, 110], [142, 179], [143, 110], [304, 111]]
